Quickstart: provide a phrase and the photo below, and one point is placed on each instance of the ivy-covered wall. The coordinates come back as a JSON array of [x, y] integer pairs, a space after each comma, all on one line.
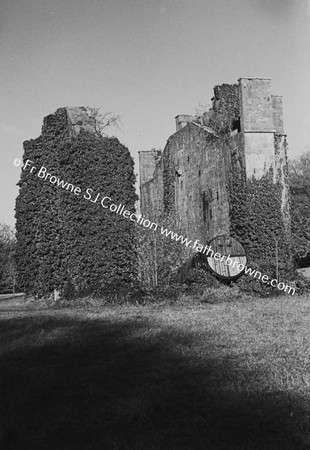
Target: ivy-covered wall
[[65, 241], [258, 184], [226, 173], [256, 219]]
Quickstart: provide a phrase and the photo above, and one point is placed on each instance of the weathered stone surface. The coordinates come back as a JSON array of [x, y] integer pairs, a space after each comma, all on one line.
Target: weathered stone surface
[[183, 119], [256, 105], [191, 179], [78, 118], [277, 110]]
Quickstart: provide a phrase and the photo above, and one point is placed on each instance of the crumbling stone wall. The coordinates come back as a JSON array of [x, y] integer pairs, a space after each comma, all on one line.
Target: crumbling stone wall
[[214, 166], [200, 195], [258, 189]]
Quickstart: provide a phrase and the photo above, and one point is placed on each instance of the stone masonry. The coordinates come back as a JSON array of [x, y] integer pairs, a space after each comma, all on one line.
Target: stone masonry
[[189, 179]]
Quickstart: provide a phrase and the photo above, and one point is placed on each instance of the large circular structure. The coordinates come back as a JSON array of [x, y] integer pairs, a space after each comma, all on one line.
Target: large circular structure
[[228, 259]]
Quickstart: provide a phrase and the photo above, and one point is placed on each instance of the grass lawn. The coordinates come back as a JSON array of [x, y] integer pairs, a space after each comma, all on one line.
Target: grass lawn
[[223, 376]]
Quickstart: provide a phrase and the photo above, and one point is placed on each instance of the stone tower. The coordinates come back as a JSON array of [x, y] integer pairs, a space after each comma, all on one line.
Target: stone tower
[[217, 167]]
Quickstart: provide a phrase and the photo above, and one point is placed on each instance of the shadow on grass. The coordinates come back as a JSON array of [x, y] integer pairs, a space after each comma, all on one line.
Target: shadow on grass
[[72, 383]]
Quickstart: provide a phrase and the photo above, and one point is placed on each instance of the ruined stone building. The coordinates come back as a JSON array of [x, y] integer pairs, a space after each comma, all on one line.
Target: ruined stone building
[[226, 167], [69, 242]]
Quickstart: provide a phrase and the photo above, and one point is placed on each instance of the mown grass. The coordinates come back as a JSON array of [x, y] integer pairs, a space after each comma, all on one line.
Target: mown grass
[[223, 376]]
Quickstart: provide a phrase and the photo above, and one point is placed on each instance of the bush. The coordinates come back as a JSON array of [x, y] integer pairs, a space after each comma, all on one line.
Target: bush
[[302, 284], [253, 285], [202, 277]]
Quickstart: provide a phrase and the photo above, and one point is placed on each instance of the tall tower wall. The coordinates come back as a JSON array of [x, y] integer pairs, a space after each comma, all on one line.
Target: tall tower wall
[[225, 172], [257, 125]]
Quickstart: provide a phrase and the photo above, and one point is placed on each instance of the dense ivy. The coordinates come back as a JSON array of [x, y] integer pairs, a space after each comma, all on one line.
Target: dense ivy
[[169, 175], [256, 221], [7, 268], [299, 181], [66, 242], [225, 114], [256, 216]]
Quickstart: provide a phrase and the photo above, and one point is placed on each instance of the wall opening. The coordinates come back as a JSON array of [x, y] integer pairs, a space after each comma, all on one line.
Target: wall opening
[[205, 207]]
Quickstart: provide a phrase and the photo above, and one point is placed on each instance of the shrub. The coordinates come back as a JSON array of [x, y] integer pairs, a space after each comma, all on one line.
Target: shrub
[[253, 285], [203, 277]]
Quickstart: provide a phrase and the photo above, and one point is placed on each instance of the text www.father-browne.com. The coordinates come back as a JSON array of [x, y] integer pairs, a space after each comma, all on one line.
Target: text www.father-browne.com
[[207, 250], [107, 204]]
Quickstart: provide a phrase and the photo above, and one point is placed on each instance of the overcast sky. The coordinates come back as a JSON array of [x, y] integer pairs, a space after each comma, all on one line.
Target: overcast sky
[[147, 60]]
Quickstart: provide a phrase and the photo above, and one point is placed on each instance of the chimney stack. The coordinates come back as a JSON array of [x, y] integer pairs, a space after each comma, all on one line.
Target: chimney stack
[[183, 119]]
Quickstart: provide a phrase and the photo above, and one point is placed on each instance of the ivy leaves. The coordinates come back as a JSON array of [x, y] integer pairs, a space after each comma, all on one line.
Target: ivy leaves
[[64, 242]]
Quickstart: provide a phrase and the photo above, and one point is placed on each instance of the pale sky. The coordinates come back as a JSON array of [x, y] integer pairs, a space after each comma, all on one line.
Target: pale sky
[[146, 60]]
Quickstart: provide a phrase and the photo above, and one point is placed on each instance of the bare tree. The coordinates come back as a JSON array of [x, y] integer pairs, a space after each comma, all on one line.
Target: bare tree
[[104, 121]]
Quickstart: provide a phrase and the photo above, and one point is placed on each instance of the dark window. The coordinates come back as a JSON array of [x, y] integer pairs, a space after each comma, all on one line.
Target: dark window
[[188, 158], [236, 124], [205, 206], [217, 195], [199, 172]]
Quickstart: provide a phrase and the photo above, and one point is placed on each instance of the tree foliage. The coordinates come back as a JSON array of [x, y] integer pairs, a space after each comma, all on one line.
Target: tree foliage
[[299, 180], [7, 250]]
